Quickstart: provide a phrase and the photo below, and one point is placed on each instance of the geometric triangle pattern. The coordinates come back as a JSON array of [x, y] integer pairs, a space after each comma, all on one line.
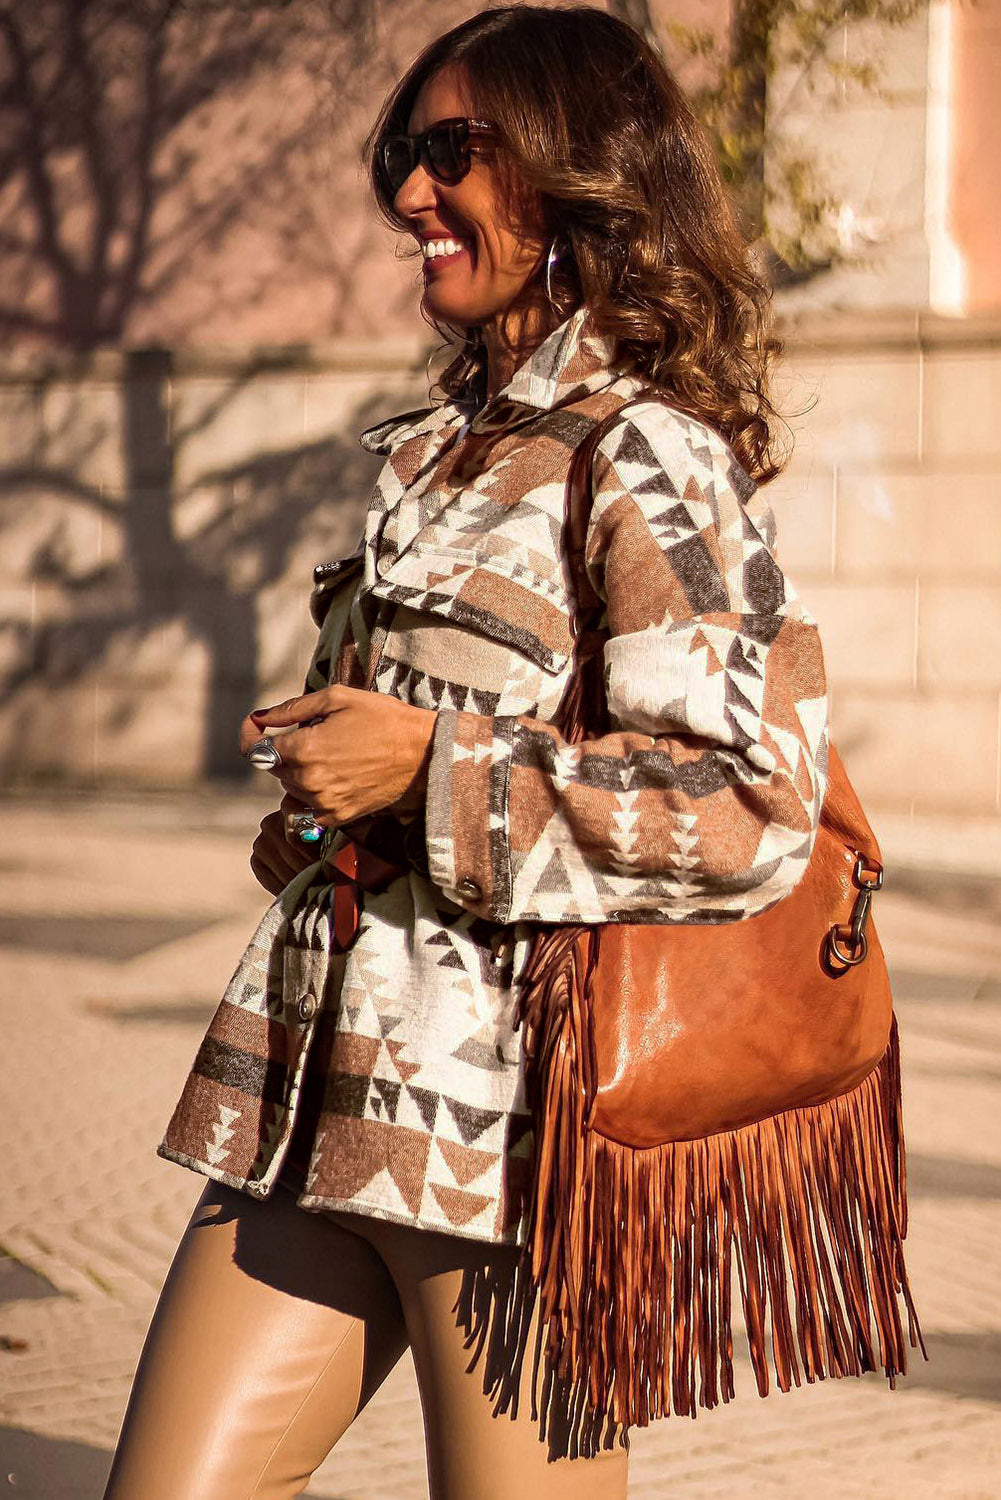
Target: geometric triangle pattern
[[398, 1090]]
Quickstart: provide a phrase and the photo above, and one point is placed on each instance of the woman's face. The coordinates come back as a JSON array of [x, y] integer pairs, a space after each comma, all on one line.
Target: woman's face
[[495, 257]]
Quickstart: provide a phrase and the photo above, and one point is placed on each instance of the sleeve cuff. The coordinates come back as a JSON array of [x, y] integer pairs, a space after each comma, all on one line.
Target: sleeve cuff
[[466, 817]]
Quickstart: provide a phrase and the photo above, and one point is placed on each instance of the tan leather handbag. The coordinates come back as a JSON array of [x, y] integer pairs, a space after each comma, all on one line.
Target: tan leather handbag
[[709, 1097]]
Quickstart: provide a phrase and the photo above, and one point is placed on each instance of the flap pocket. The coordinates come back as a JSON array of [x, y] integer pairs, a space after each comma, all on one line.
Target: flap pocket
[[496, 597]]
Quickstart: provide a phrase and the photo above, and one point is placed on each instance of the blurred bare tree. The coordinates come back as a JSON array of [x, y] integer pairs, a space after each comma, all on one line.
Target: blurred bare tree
[[794, 222]]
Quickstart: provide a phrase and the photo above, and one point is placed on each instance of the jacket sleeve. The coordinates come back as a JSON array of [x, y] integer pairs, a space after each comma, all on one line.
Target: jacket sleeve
[[704, 799]]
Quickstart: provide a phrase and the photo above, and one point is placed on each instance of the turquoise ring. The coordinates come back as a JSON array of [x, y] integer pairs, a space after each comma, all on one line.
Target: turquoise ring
[[304, 825]]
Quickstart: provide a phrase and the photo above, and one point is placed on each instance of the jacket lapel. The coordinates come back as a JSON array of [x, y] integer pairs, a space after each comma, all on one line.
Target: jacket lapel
[[417, 483]]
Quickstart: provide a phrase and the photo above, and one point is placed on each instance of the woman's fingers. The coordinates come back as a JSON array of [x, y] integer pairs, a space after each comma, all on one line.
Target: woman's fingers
[[305, 706], [265, 876], [276, 859], [345, 752], [293, 713], [288, 805]]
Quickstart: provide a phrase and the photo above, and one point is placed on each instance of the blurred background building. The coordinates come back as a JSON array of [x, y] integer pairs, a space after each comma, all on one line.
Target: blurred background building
[[199, 311]]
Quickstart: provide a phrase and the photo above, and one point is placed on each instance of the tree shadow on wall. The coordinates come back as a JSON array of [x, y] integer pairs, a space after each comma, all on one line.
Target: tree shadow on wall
[[192, 558], [165, 164]]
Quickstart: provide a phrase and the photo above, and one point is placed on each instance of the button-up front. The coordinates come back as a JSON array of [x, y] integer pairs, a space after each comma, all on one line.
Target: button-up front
[[397, 1064]]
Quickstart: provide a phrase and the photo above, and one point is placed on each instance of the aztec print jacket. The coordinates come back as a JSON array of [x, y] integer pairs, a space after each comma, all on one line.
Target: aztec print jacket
[[702, 803]]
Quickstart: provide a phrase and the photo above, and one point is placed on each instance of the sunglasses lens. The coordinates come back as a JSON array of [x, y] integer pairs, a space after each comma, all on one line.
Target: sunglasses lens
[[448, 154], [398, 160], [445, 149]]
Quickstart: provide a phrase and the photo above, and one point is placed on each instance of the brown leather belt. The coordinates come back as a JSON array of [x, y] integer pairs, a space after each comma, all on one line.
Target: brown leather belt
[[354, 869]]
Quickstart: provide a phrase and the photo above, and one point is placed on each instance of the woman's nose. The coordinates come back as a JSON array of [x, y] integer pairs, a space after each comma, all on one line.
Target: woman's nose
[[416, 194]]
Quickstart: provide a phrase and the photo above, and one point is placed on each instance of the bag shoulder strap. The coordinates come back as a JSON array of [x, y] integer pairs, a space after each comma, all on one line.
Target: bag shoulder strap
[[577, 514], [583, 709]]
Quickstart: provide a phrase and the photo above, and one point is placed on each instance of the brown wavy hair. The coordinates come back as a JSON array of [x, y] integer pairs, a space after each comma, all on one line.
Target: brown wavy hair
[[593, 120]]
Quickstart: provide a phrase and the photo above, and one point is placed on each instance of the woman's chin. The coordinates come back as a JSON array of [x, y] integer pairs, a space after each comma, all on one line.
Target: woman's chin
[[450, 306]]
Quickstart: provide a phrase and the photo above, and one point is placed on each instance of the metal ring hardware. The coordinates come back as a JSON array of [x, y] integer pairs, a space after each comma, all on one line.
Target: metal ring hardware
[[867, 883]]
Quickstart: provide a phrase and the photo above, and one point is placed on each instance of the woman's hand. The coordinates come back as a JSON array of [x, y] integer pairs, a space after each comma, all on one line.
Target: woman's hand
[[367, 751], [276, 859]]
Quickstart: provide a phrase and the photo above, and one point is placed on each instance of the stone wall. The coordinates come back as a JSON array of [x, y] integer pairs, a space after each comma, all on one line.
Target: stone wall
[[889, 524], [159, 520], [160, 517]]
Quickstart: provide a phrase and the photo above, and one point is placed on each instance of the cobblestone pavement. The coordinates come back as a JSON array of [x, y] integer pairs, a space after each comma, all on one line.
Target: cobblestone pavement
[[121, 919]]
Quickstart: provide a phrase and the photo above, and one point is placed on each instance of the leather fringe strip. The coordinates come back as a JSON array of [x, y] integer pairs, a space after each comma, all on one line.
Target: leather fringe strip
[[631, 1251]]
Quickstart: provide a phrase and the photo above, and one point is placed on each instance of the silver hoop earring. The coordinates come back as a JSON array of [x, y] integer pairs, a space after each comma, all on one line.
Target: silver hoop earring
[[551, 259]]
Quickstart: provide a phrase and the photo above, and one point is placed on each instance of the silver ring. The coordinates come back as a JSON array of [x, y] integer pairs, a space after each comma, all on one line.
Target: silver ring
[[305, 825], [264, 753]]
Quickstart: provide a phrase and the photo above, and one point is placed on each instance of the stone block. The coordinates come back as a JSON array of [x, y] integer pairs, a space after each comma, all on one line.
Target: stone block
[[202, 516], [867, 632], [48, 733], [20, 426], [82, 434], [112, 541], [225, 624], [932, 525], [959, 637], [251, 533], [161, 655], [961, 400], [38, 605], [802, 499], [285, 635], [45, 534], [338, 403], [224, 429], [17, 602], [149, 738], [869, 156], [899, 54], [929, 754], [95, 645], [867, 410], [17, 633], [15, 650], [146, 418], [877, 283]]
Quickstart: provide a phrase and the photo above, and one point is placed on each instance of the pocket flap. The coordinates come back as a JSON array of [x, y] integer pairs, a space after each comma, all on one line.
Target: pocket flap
[[498, 597]]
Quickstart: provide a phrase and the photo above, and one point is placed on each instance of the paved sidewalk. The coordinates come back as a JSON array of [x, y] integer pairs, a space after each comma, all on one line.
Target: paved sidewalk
[[122, 918]]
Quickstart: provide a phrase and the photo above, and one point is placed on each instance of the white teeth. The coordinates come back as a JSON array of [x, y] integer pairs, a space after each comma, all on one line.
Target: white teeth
[[432, 248]]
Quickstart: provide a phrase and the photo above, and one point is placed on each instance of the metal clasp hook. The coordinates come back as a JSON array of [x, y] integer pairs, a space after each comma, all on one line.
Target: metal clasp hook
[[867, 883]]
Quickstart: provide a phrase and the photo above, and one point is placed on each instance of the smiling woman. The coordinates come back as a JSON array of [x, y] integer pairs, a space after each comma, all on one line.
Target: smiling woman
[[580, 257], [477, 258], [480, 241], [595, 183]]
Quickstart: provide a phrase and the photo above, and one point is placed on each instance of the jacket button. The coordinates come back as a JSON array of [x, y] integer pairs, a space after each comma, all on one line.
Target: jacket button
[[468, 887], [306, 1007]]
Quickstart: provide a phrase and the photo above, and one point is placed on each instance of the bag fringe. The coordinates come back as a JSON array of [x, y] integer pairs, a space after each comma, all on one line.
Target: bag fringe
[[630, 1251]]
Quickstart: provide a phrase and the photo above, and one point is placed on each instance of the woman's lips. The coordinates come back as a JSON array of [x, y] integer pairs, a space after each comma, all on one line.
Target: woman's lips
[[444, 258]]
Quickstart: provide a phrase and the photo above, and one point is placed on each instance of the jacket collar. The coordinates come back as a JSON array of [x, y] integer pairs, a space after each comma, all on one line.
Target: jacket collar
[[575, 360]]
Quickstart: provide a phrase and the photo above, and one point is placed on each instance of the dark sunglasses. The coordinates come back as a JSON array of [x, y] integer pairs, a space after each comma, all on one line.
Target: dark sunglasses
[[445, 149]]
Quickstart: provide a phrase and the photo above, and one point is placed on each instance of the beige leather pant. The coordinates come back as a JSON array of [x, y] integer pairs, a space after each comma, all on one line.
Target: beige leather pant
[[276, 1325]]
